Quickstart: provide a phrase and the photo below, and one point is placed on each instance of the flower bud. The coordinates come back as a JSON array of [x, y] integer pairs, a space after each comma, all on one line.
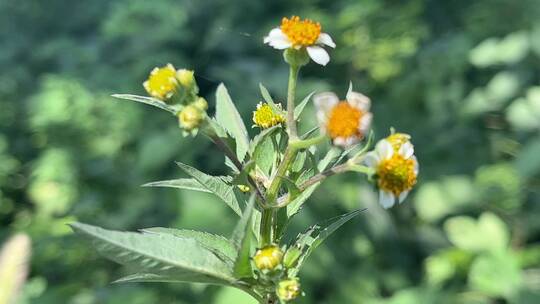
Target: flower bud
[[190, 117], [288, 290], [201, 104], [265, 117], [185, 77], [268, 258]]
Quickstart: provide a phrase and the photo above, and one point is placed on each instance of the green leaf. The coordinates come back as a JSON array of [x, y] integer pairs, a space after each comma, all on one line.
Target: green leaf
[[259, 138], [218, 244], [306, 242], [496, 274], [228, 117], [242, 239], [216, 184], [149, 101], [180, 183], [178, 259], [268, 98], [294, 206], [330, 156], [488, 233], [300, 107]]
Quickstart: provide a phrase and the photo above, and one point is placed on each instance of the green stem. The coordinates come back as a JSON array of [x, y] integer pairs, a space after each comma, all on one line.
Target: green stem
[[267, 234], [291, 122]]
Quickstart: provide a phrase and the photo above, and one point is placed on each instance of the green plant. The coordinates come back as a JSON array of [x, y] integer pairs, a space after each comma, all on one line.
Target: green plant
[[272, 176]]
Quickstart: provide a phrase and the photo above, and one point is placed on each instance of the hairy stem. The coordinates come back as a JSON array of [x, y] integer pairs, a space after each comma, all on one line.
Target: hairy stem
[[266, 229]]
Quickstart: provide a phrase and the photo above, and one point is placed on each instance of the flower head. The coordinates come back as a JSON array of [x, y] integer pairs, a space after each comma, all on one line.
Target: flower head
[[268, 258], [346, 122], [288, 290], [395, 166], [265, 117], [301, 34], [162, 82]]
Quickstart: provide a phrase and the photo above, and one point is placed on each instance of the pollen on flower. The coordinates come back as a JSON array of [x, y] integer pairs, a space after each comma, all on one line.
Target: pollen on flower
[[344, 121], [396, 174], [265, 117], [162, 82], [301, 32], [398, 139]]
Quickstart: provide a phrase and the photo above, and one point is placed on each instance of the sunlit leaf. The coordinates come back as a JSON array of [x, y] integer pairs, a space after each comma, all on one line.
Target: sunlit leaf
[[228, 117]]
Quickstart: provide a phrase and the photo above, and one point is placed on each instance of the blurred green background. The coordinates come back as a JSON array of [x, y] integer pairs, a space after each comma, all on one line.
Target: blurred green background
[[462, 77]]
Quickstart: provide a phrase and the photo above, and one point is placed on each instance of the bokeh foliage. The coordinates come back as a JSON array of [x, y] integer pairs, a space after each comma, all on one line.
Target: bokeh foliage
[[462, 77]]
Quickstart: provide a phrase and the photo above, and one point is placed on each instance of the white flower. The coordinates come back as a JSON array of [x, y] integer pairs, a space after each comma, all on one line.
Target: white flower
[[298, 34], [346, 122], [396, 168]]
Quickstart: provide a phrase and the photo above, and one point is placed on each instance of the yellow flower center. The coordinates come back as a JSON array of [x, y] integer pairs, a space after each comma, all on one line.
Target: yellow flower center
[[344, 121], [288, 290], [265, 117], [398, 139], [396, 174], [162, 82], [301, 32], [190, 117]]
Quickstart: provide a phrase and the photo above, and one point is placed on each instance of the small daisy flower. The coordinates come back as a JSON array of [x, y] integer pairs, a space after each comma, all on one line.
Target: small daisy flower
[[265, 117], [301, 34], [395, 166], [162, 82], [346, 122]]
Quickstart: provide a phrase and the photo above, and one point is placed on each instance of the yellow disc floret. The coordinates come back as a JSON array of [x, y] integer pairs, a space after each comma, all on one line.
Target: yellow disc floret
[[396, 174], [344, 121], [265, 117], [162, 82], [268, 258], [190, 117], [398, 139], [301, 33]]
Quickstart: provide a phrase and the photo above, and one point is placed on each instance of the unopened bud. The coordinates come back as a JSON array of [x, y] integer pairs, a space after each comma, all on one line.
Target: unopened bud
[[201, 104], [268, 258], [185, 77], [288, 290], [190, 117]]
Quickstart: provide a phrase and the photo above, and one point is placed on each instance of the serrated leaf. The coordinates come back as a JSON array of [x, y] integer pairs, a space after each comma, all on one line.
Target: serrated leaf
[[300, 107], [315, 235], [260, 138], [147, 100], [242, 240], [179, 259], [215, 184], [218, 244], [180, 183], [294, 206], [330, 156], [264, 155], [228, 117]]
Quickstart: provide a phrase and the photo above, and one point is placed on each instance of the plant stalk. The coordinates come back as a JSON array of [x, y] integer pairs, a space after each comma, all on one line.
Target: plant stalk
[[291, 122]]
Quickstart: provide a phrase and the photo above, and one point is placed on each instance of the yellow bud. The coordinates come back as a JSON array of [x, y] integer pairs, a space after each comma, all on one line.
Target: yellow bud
[[190, 117], [288, 290], [185, 77], [201, 104], [265, 117], [243, 188], [268, 258]]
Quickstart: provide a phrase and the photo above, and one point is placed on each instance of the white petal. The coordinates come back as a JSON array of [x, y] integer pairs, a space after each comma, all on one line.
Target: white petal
[[416, 166], [384, 149], [403, 196], [318, 54], [325, 101], [371, 159], [386, 199], [406, 149], [340, 141], [277, 39], [325, 39], [365, 123], [322, 119], [351, 140], [357, 100]]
